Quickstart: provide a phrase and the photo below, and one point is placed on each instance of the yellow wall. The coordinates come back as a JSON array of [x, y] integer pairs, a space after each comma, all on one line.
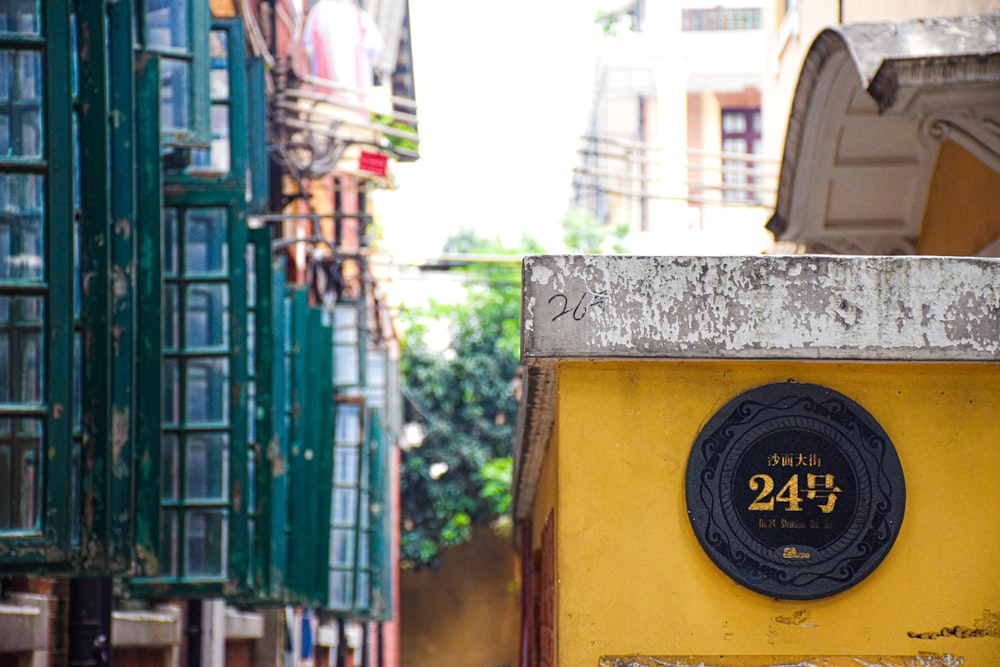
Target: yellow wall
[[467, 613], [963, 206], [632, 577]]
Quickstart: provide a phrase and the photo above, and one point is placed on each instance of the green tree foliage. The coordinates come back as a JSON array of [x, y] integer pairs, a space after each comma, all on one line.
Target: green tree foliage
[[464, 397], [585, 234]]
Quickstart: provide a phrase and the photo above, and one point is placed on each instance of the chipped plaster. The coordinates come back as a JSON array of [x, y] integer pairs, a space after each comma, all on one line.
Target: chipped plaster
[[761, 307]]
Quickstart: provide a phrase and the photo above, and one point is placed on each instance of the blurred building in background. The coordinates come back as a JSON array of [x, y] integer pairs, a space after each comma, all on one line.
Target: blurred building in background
[[674, 146]]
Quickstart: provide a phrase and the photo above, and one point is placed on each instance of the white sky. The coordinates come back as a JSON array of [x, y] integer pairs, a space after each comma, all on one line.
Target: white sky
[[504, 93]]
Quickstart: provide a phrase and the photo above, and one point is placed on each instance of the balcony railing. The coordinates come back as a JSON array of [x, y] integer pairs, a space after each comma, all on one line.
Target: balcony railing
[[634, 169], [721, 18]]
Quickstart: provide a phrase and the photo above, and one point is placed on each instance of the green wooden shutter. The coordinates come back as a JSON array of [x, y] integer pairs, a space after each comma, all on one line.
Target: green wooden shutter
[[36, 292], [270, 438], [311, 434]]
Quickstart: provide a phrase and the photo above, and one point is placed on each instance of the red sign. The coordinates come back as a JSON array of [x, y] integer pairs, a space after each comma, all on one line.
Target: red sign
[[373, 163]]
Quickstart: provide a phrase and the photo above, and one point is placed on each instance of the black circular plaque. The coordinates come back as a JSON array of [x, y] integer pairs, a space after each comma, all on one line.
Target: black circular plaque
[[795, 491]]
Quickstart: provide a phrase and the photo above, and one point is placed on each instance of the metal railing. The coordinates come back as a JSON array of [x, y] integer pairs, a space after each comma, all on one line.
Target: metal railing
[[634, 169]]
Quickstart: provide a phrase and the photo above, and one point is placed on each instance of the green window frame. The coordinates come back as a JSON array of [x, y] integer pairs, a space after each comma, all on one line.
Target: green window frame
[[36, 299], [200, 444], [348, 341], [224, 161], [194, 520], [197, 532], [177, 31], [360, 522], [350, 538]]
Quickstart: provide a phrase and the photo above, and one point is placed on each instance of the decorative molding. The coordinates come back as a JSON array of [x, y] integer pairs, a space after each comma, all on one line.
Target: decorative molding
[[977, 134], [931, 79]]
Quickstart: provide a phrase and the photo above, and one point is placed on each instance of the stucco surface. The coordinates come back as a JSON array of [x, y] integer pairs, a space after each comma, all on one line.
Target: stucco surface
[[762, 307]]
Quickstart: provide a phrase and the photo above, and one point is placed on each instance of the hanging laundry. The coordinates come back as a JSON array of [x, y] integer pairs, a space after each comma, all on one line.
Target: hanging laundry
[[341, 41]]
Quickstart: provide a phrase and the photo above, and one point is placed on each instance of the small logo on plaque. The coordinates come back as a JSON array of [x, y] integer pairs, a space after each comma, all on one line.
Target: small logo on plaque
[[795, 491]]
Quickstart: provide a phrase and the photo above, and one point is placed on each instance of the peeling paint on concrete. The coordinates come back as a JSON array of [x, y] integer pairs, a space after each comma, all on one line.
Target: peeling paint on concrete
[[761, 307], [987, 626]]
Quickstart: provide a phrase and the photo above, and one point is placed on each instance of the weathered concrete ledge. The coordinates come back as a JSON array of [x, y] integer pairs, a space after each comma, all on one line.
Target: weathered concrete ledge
[[760, 307], [763, 307]]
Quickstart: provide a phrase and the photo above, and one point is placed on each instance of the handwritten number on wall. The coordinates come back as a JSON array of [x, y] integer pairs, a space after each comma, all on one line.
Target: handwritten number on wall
[[586, 301]]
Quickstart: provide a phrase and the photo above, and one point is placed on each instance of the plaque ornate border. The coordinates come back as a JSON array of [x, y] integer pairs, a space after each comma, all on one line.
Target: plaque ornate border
[[878, 511]]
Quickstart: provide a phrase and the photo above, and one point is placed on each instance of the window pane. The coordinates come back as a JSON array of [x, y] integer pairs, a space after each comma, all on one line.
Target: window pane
[[207, 467], [20, 16], [175, 94], [206, 543], [348, 424], [341, 547], [345, 324], [171, 318], [376, 371], [345, 507], [20, 474], [207, 386], [345, 468], [21, 229], [170, 462], [169, 541], [171, 247], [171, 392], [734, 123], [167, 23], [20, 103], [218, 51], [217, 157], [363, 584], [205, 246], [340, 594], [220, 138], [21, 351], [207, 316], [346, 365]]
